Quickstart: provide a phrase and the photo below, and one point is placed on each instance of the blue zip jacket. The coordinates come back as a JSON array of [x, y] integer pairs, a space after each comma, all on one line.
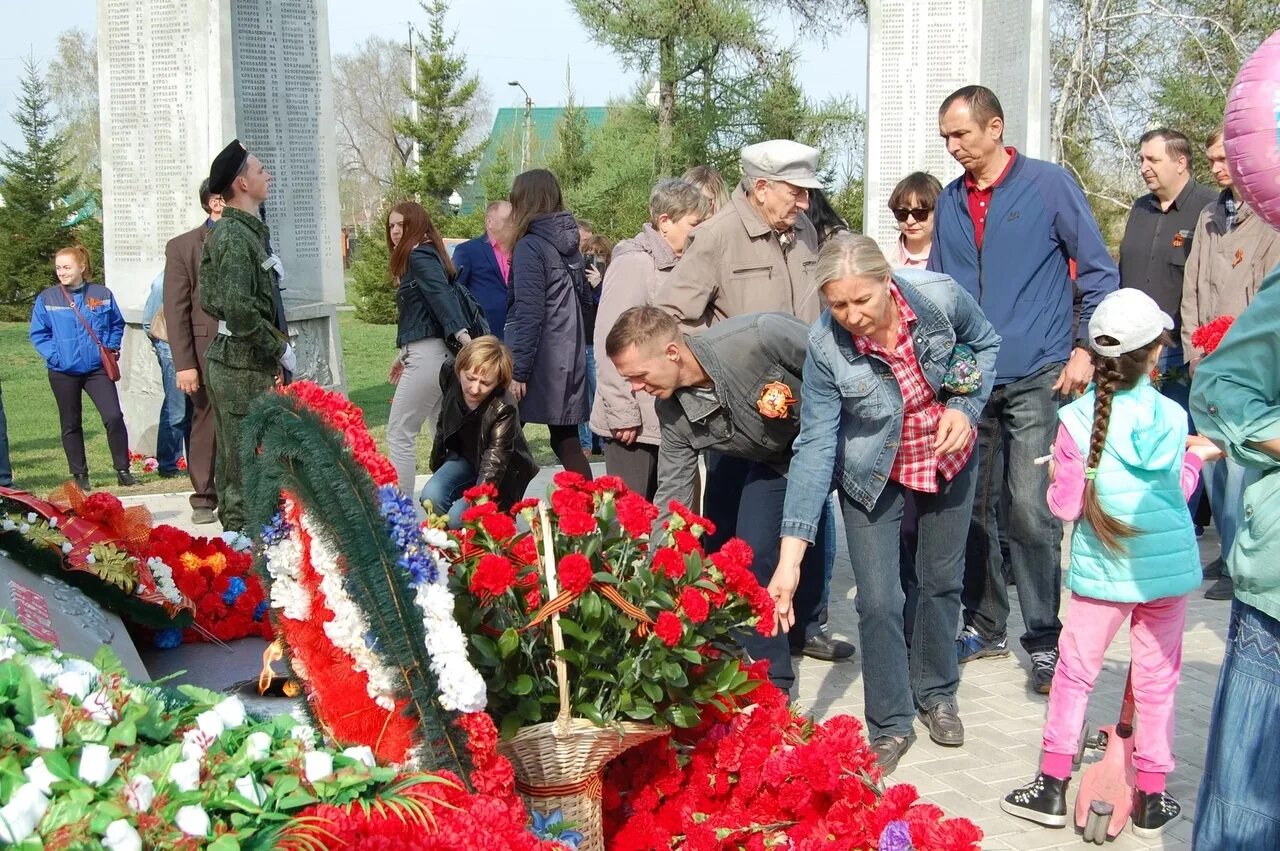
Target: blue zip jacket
[[851, 413], [61, 338], [1038, 219]]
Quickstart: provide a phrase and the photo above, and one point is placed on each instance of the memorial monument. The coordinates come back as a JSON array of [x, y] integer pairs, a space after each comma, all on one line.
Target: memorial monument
[[920, 51], [178, 79]]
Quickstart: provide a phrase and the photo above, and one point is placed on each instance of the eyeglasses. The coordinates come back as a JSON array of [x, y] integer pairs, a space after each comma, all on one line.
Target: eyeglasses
[[918, 213]]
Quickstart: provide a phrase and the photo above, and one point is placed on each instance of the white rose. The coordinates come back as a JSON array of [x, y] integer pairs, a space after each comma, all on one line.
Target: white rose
[[80, 666], [231, 711], [194, 744], [73, 683], [364, 754], [40, 775], [259, 745], [96, 764], [185, 774], [66, 547], [19, 817], [31, 517], [318, 765], [140, 793], [303, 733], [44, 667], [26, 527], [121, 836], [192, 820], [8, 525], [46, 732], [252, 790], [210, 724], [99, 707]]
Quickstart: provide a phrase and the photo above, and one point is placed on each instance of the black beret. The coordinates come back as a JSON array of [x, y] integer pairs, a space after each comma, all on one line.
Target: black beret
[[226, 165]]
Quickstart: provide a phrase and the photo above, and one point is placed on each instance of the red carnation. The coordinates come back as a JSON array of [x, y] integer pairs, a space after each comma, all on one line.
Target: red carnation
[[690, 519], [578, 523], [575, 573], [475, 512], [636, 514], [669, 562], [568, 479], [500, 527], [494, 576], [530, 504], [478, 492], [1208, 336], [525, 551], [564, 501], [686, 542], [608, 484], [694, 605], [669, 629]]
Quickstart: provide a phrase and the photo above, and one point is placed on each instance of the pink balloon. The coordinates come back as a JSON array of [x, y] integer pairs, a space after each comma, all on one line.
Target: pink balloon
[[1251, 135]]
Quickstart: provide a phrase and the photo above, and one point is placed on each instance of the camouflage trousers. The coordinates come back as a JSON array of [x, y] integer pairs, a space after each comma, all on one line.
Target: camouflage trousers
[[231, 393]]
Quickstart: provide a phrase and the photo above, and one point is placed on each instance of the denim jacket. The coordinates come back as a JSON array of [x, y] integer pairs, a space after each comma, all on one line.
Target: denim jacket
[[742, 355], [852, 415]]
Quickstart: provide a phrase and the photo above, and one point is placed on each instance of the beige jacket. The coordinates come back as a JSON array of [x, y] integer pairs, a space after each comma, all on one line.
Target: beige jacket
[[735, 264], [1225, 268], [638, 267]]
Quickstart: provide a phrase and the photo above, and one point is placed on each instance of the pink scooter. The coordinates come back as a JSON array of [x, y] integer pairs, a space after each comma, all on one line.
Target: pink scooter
[[1108, 787]]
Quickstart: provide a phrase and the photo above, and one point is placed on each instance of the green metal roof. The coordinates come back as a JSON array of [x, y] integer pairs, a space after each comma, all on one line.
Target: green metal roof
[[508, 132]]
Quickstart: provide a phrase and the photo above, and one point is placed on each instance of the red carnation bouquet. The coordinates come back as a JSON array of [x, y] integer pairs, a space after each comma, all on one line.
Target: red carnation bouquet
[[647, 623], [1208, 336]]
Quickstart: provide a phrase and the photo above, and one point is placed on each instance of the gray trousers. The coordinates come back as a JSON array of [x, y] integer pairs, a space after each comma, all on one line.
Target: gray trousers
[[417, 400]]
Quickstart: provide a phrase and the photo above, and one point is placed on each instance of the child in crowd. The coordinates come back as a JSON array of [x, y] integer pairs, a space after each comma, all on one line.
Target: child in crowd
[[1122, 470], [478, 439]]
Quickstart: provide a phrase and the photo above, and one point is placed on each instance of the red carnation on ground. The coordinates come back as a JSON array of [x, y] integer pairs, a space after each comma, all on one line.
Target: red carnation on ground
[[500, 527], [690, 519], [494, 576], [574, 571], [636, 514], [686, 543], [669, 562], [608, 484], [568, 479], [578, 523], [476, 512], [694, 604], [1209, 335], [564, 501], [669, 629], [479, 492]]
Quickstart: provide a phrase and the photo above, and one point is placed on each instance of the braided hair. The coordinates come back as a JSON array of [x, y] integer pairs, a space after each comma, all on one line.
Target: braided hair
[[1111, 375]]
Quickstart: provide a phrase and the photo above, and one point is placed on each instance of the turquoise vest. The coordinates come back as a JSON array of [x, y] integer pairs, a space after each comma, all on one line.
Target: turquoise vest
[[1139, 482]]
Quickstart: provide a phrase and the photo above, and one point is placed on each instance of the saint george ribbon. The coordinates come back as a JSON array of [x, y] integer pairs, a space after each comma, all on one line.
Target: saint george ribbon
[[564, 599]]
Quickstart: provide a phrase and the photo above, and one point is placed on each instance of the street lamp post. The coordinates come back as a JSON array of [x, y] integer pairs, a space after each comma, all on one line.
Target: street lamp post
[[528, 125]]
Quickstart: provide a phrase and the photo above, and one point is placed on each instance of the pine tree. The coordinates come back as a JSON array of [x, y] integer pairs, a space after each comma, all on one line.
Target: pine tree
[[34, 212], [445, 93], [571, 163], [496, 178]]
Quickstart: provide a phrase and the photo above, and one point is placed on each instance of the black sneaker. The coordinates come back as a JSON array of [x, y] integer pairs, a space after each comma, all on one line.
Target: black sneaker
[[1223, 589], [1153, 813], [1043, 801], [125, 479], [1043, 665], [823, 646], [82, 481], [1213, 569]]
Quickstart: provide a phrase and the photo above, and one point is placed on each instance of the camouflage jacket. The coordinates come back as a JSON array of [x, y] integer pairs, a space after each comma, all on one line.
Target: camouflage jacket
[[236, 289]]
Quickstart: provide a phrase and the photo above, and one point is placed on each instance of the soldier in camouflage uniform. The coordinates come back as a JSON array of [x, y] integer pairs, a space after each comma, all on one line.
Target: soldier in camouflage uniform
[[239, 288]]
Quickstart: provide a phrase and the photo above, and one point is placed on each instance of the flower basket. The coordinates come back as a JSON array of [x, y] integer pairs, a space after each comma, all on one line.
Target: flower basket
[[558, 764]]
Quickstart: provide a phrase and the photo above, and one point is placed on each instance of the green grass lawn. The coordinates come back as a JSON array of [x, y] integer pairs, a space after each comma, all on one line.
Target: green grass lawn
[[35, 444]]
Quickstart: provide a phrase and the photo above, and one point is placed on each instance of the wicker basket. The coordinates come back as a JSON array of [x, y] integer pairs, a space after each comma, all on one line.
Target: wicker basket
[[559, 764]]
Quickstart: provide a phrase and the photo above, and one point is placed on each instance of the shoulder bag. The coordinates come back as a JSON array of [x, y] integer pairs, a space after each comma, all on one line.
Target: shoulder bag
[[109, 363]]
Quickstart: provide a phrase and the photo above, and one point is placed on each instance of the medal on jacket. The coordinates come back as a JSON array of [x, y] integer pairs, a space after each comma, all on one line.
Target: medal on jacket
[[1239, 258], [775, 401]]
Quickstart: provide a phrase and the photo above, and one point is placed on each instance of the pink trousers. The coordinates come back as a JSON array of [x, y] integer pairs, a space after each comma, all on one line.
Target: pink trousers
[[1155, 638]]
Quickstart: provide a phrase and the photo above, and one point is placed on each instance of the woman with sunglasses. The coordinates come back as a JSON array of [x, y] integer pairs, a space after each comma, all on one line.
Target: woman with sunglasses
[[912, 203]]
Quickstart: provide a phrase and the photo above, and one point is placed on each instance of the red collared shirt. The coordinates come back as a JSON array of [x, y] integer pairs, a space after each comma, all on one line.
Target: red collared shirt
[[504, 260], [980, 199], [915, 467]]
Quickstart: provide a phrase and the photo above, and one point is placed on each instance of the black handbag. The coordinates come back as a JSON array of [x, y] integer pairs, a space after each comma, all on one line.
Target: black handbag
[[477, 322]]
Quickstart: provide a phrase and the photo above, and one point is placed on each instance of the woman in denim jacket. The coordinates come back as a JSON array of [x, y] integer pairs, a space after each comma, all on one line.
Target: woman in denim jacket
[[886, 367]]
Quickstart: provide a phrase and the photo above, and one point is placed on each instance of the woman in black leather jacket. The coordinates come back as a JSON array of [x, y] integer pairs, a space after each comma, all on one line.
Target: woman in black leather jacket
[[478, 438], [428, 313]]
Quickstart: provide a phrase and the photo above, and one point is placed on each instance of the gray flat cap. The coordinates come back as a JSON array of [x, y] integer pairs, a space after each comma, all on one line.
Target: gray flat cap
[[782, 159]]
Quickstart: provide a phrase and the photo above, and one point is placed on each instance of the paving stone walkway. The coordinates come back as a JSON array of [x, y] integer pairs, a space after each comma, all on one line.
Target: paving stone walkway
[[1002, 716]]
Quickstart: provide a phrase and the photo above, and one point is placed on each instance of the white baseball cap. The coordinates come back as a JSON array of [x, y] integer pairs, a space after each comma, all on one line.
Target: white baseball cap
[[782, 159], [1130, 316]]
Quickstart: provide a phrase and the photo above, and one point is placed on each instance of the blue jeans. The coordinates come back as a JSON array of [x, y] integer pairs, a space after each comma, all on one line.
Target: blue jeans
[[898, 680], [1241, 783], [745, 498], [444, 489], [1017, 426], [1225, 488], [173, 433], [6, 468], [586, 438]]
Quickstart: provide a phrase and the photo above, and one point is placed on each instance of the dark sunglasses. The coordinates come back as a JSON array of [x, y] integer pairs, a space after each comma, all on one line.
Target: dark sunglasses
[[920, 214]]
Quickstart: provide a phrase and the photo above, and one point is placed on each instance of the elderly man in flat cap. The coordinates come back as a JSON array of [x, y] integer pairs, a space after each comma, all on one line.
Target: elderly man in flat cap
[[755, 255], [239, 288]]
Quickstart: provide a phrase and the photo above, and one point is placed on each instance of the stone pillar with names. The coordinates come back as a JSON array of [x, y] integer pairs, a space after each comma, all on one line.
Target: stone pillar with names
[[178, 79]]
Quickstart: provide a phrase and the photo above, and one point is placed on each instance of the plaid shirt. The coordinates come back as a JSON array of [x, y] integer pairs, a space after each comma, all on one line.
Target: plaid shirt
[[915, 466]]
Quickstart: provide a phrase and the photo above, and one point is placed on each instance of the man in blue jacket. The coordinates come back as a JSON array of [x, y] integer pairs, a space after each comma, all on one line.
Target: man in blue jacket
[[1005, 230], [484, 266]]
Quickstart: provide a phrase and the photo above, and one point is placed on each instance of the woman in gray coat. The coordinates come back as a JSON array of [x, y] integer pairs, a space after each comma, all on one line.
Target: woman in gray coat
[[545, 329], [626, 420]]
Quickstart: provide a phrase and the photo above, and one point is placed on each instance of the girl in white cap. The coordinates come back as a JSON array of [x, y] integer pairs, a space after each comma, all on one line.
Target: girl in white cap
[[1122, 470]]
